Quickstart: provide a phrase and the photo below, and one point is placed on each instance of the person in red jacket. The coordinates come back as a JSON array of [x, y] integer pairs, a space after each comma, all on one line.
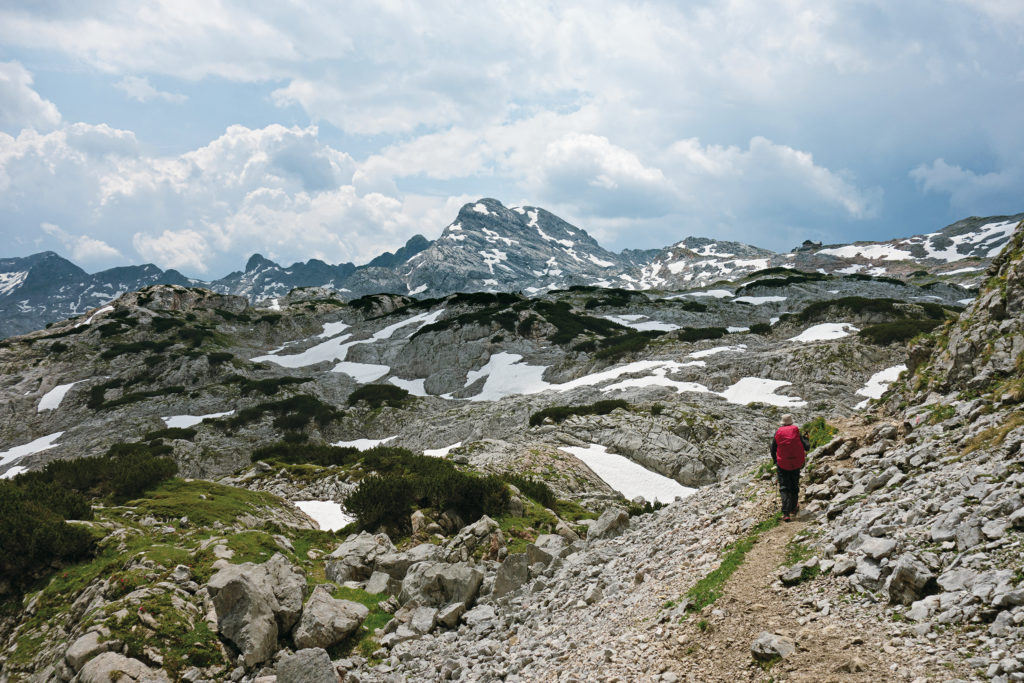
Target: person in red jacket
[[789, 450]]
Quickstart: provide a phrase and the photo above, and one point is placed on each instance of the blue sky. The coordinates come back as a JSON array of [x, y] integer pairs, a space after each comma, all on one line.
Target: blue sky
[[192, 133]]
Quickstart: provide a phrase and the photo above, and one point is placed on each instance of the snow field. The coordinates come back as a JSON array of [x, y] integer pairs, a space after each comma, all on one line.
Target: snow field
[[878, 383], [185, 421], [627, 477], [51, 400], [363, 444], [441, 452], [825, 332], [325, 513], [16, 453]]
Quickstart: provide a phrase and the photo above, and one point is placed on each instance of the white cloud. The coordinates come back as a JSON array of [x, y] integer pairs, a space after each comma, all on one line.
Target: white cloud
[[966, 188], [173, 249], [84, 249], [22, 107], [139, 89]]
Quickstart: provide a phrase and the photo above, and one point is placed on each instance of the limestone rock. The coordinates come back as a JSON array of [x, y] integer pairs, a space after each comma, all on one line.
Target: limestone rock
[[769, 646], [354, 559], [439, 583], [310, 665], [611, 523], [110, 667], [512, 574], [326, 620], [908, 580]]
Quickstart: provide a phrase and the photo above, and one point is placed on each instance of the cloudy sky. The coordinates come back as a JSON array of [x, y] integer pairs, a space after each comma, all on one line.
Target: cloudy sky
[[192, 133]]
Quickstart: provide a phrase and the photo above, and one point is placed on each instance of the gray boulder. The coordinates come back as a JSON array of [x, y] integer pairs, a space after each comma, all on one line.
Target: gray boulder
[[381, 582], [512, 574], [244, 604], [354, 559], [877, 548], [449, 614], [397, 564], [289, 585], [423, 620], [326, 620], [908, 580], [612, 522], [85, 648], [439, 583], [110, 667], [770, 646], [311, 665]]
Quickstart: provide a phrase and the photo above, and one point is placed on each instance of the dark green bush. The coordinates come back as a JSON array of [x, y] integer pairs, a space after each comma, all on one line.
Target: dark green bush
[[111, 328], [269, 318], [614, 348], [267, 387], [854, 304], [377, 395], [898, 331], [186, 433], [235, 317], [291, 413], [689, 305], [763, 329], [194, 335], [58, 347], [219, 357], [164, 324], [124, 348], [692, 334], [561, 413], [533, 488], [316, 454]]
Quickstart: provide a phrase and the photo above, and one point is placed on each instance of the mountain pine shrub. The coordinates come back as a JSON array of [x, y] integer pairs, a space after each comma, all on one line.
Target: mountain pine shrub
[[562, 413], [377, 395]]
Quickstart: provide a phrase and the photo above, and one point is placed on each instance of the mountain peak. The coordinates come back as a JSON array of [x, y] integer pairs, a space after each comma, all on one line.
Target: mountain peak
[[258, 261]]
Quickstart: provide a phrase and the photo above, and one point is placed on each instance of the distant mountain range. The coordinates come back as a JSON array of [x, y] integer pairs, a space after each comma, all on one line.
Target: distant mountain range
[[490, 247]]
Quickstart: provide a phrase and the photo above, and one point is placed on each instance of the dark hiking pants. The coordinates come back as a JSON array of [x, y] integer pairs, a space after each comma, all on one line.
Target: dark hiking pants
[[789, 489]]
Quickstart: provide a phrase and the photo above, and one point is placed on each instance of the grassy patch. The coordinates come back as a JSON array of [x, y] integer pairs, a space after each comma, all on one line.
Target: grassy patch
[[994, 436], [818, 432], [203, 502], [706, 591]]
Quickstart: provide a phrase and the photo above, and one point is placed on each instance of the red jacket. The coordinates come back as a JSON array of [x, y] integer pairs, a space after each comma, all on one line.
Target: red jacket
[[788, 448]]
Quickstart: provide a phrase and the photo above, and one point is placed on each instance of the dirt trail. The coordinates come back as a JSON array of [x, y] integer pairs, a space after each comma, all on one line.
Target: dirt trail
[[829, 649]]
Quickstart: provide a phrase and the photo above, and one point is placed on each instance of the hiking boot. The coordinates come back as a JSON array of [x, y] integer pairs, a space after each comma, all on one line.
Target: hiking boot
[[785, 518]]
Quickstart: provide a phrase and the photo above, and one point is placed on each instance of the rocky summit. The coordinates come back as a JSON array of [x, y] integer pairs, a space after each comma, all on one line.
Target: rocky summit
[[493, 248], [566, 484]]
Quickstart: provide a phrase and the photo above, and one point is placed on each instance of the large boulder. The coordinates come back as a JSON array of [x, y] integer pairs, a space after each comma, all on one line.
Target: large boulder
[[244, 603], [460, 548], [612, 522], [257, 602], [909, 580], [326, 620], [354, 559], [771, 646], [85, 648], [311, 665], [397, 564], [110, 667], [438, 583], [512, 574]]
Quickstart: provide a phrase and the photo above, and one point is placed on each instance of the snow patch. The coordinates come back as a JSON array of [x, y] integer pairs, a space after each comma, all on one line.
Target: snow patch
[[759, 390], [630, 321], [599, 262], [419, 290], [627, 477], [440, 452], [886, 252], [51, 399], [11, 281], [363, 444], [878, 383], [88, 321], [758, 300], [333, 329], [327, 514], [716, 293], [716, 350], [481, 208], [361, 372], [825, 331], [413, 386], [185, 421], [16, 453]]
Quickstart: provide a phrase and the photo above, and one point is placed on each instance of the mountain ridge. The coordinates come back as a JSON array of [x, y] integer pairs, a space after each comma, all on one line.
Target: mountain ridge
[[490, 247]]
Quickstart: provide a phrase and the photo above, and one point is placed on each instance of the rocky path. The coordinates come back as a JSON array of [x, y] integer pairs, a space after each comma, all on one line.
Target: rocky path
[[716, 646]]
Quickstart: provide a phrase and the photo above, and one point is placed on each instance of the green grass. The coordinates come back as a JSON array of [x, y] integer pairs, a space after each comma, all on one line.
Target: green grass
[[203, 502], [706, 591], [818, 432], [362, 640], [252, 546]]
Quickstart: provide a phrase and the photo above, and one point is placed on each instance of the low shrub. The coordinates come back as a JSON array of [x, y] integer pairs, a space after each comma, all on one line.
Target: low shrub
[[533, 488], [267, 387], [763, 329], [146, 345], [165, 324], [186, 433], [884, 334], [818, 432], [561, 413], [219, 357], [854, 304], [692, 334], [377, 395], [291, 413]]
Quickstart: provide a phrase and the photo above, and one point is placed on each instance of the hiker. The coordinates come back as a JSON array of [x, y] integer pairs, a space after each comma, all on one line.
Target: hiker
[[789, 449]]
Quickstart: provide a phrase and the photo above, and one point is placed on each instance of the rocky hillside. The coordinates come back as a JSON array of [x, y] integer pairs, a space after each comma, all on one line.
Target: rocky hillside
[[548, 410], [490, 247]]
